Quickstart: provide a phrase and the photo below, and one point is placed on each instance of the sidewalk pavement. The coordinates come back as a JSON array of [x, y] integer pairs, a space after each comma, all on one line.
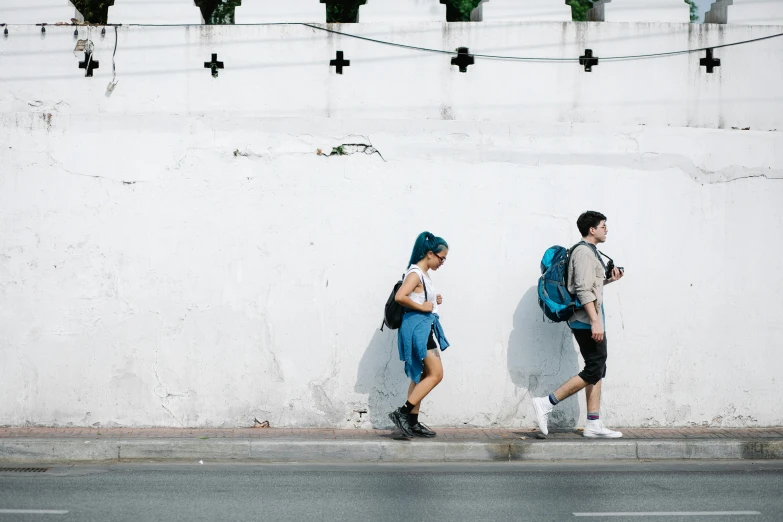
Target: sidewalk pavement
[[71, 445]]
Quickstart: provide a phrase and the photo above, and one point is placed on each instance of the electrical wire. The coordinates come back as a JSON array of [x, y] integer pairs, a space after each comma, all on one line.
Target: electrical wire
[[481, 55], [439, 51], [113, 61], [688, 51], [542, 59]]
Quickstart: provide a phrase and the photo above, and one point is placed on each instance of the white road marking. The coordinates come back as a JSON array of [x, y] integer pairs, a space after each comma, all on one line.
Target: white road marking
[[669, 514], [33, 512]]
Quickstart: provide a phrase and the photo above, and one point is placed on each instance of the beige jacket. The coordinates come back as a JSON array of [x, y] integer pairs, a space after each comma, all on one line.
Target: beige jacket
[[586, 281]]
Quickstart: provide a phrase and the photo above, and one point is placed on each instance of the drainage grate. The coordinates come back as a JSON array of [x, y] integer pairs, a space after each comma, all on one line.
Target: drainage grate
[[25, 470]]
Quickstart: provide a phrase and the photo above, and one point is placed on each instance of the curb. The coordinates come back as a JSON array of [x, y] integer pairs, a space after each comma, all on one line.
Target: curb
[[344, 451]]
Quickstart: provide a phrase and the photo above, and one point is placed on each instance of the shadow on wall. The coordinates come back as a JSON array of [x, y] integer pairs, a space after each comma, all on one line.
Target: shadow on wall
[[381, 376], [541, 357]]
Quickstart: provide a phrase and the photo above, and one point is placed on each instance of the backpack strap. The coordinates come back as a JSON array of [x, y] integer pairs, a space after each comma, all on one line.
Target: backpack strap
[[595, 251], [568, 262]]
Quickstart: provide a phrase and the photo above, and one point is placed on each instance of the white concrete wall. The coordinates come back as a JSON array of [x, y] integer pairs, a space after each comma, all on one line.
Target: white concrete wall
[[38, 12], [528, 11], [282, 71], [646, 11], [402, 11], [749, 12], [177, 252], [157, 12], [756, 12], [265, 11]]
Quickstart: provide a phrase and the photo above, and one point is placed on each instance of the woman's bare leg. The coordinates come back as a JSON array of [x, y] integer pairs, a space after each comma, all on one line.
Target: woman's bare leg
[[415, 409], [433, 374]]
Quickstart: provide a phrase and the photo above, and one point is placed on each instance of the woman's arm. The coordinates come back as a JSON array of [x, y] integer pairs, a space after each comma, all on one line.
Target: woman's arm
[[408, 286]]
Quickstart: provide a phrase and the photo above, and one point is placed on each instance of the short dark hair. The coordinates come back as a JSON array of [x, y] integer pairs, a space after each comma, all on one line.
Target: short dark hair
[[588, 220]]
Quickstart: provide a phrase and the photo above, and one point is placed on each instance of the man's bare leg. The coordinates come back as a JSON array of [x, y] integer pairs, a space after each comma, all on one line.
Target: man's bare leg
[[572, 386], [593, 392]]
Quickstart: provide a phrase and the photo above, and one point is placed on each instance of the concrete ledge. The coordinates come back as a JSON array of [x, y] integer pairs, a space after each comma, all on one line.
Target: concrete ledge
[[184, 449], [581, 450], [385, 450], [710, 449], [315, 451], [57, 450]]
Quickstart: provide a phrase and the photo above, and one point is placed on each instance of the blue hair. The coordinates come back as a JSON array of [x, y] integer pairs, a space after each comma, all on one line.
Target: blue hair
[[426, 242]]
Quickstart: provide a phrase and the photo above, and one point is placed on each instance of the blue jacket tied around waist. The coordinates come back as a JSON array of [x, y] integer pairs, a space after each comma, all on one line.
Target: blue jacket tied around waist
[[412, 340]]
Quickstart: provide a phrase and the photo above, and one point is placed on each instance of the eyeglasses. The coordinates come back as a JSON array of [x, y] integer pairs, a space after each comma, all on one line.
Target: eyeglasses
[[442, 259]]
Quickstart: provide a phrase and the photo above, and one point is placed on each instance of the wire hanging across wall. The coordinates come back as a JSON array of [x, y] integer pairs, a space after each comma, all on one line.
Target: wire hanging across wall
[[463, 56], [484, 55], [542, 59]]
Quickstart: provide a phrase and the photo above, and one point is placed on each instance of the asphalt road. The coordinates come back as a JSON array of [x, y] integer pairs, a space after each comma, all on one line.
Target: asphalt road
[[632, 491]]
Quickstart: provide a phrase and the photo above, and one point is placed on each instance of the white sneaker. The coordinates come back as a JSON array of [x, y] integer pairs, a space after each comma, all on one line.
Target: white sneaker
[[542, 407], [596, 429]]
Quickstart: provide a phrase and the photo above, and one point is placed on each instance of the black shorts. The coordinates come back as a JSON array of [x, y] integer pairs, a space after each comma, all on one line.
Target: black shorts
[[431, 342], [594, 354]]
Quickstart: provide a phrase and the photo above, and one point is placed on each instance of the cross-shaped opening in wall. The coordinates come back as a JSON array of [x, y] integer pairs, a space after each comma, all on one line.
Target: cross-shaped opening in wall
[[709, 62], [588, 60], [88, 64], [339, 62], [463, 59], [214, 64]]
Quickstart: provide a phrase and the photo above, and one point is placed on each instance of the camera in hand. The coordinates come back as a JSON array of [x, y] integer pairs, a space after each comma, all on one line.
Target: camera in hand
[[610, 268]]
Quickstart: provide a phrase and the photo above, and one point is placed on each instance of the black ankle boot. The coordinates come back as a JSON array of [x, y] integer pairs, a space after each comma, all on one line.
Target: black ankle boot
[[421, 430], [400, 420]]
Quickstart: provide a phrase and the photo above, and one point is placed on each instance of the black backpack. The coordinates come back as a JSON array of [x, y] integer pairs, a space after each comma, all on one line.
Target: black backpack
[[393, 312]]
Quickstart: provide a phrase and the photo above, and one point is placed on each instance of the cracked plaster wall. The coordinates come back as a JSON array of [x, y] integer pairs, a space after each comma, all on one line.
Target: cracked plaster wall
[[206, 266], [220, 288]]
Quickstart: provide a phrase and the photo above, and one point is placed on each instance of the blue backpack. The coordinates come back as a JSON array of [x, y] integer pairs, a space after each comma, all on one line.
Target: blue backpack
[[555, 300], [557, 303]]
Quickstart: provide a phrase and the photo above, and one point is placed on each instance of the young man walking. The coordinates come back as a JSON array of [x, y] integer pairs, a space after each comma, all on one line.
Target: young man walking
[[587, 276]]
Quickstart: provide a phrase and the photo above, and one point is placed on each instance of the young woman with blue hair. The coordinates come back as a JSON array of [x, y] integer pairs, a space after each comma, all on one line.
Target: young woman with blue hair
[[420, 337]]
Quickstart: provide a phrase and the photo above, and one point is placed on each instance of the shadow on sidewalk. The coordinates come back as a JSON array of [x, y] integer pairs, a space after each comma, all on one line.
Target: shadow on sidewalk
[[381, 376], [541, 357]]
